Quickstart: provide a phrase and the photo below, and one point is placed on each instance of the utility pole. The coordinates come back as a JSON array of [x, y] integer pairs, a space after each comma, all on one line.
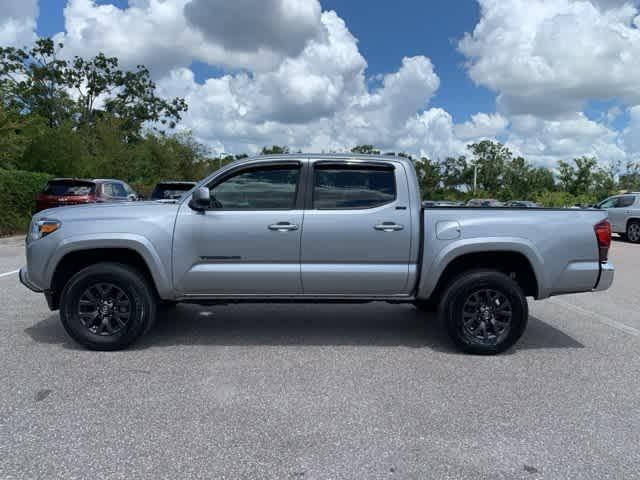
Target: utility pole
[[475, 178]]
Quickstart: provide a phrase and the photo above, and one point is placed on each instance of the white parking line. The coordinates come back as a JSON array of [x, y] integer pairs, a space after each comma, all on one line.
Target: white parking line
[[9, 273], [599, 317]]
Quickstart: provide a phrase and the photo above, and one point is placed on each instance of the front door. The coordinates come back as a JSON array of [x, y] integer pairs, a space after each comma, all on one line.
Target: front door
[[357, 230], [247, 243]]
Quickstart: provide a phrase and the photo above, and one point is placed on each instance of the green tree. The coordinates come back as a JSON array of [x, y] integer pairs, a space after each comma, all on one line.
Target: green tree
[[490, 158], [630, 179], [274, 150], [33, 81], [37, 81], [365, 150], [456, 173], [429, 176]]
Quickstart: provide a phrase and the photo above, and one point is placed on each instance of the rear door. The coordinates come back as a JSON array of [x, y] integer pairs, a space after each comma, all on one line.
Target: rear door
[[617, 207], [356, 238]]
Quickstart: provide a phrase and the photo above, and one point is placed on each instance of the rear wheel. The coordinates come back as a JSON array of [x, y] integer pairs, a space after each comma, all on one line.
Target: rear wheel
[[633, 231], [107, 306], [484, 312]]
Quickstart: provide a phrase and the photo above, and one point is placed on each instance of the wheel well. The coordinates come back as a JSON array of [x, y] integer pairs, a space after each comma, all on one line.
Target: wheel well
[[73, 262], [632, 220], [514, 264]]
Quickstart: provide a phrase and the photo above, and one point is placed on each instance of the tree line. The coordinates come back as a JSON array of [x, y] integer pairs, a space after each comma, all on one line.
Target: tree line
[[91, 118]]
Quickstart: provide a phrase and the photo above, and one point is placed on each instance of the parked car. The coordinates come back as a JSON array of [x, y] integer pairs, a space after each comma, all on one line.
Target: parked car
[[624, 215], [60, 192], [273, 229], [484, 202], [521, 204], [171, 189], [448, 203]]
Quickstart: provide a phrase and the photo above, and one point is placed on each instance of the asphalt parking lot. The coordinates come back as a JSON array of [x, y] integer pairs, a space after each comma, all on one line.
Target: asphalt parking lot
[[318, 392]]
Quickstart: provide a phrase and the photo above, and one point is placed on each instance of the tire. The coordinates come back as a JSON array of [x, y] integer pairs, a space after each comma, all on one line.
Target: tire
[[107, 306], [633, 231], [487, 297]]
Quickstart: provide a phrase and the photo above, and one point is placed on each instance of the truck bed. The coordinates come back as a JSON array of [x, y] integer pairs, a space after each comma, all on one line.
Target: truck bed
[[560, 244]]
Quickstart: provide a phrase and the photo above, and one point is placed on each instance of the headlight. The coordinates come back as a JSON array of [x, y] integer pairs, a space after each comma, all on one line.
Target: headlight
[[42, 228]]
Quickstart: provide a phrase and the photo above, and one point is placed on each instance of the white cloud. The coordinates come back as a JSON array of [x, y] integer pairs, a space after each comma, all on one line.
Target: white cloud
[[631, 134], [546, 141], [482, 125], [548, 58], [317, 100], [18, 22], [166, 34], [299, 79], [278, 25]]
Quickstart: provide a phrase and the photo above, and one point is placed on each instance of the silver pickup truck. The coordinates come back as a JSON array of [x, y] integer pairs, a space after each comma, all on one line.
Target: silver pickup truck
[[311, 228]]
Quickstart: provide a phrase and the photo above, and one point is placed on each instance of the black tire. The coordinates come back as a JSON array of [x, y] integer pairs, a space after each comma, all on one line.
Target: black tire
[[468, 302], [107, 282], [633, 231]]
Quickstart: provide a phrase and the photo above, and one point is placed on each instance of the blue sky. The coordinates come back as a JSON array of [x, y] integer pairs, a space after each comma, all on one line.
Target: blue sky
[[551, 79], [386, 32]]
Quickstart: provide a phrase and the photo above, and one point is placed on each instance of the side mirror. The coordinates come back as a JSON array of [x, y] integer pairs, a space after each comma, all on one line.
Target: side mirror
[[200, 199]]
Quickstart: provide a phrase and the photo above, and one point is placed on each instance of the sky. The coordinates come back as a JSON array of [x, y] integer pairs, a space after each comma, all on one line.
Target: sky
[[553, 79]]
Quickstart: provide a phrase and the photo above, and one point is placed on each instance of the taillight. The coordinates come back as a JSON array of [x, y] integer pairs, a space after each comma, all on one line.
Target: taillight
[[603, 235]]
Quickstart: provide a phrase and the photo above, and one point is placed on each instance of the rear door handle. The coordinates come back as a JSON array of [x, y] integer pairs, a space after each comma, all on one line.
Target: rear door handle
[[388, 227], [283, 227]]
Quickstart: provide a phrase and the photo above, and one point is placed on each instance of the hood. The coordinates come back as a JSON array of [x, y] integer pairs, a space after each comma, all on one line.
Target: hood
[[110, 211]]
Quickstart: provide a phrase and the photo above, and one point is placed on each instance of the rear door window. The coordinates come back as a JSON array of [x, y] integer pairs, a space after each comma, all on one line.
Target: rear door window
[[353, 186], [69, 188], [114, 189], [626, 201]]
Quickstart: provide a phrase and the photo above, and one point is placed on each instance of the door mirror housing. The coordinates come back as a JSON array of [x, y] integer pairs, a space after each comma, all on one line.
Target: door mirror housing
[[200, 199]]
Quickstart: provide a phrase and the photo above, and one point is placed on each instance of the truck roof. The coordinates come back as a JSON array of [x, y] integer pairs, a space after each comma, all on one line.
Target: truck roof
[[327, 156]]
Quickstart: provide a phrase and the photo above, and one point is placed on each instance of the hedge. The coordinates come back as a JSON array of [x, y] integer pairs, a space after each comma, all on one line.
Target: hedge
[[18, 190]]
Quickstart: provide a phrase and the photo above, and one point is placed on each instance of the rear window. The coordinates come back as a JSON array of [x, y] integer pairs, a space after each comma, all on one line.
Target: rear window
[[169, 191], [337, 187], [69, 188]]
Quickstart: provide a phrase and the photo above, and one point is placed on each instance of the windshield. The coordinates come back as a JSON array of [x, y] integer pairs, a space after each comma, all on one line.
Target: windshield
[[69, 188]]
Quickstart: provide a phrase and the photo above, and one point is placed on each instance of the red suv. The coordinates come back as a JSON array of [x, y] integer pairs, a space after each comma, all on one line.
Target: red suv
[[60, 192]]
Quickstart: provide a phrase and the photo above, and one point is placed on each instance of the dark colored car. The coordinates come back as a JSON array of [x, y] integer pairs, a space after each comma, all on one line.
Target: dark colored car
[[60, 192], [169, 190]]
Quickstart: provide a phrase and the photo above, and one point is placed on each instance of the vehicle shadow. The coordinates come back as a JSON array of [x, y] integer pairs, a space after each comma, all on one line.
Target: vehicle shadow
[[295, 324]]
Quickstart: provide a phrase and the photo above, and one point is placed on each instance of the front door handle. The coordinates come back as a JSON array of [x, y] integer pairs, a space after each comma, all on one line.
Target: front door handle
[[283, 227], [388, 227]]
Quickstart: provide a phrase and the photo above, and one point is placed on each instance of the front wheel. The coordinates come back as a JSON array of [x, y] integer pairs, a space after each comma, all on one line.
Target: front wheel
[[107, 306], [633, 231], [484, 312]]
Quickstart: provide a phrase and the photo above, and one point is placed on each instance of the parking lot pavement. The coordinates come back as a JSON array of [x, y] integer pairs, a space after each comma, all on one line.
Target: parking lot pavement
[[11, 254], [324, 391]]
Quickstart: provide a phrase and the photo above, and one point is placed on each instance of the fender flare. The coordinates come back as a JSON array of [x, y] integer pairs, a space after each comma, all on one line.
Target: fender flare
[[137, 243], [432, 273]]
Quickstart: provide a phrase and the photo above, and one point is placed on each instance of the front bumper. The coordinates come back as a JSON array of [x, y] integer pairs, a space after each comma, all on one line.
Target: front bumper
[[606, 277], [24, 279]]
